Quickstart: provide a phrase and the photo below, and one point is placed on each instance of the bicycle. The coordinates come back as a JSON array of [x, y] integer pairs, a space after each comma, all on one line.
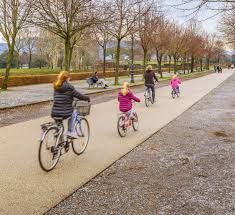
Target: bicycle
[[175, 93], [148, 97], [53, 142], [125, 122]]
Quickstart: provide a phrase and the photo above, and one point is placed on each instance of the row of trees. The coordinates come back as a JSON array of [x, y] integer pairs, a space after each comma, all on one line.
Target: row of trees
[[67, 25]]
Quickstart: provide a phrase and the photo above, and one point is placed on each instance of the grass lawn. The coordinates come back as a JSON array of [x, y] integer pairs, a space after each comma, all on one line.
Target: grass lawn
[[33, 71]]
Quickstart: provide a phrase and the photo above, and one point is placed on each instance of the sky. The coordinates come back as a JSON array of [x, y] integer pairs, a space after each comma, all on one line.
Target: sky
[[206, 17], [209, 19], [210, 25]]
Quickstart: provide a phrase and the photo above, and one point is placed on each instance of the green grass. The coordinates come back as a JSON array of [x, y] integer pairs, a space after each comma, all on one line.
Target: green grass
[[33, 71]]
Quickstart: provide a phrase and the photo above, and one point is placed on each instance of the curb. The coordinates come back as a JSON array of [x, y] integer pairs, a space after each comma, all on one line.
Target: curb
[[100, 92]]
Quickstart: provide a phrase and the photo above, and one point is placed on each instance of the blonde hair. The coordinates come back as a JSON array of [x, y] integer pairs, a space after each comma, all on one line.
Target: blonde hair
[[174, 76], [125, 88], [149, 68], [61, 78]]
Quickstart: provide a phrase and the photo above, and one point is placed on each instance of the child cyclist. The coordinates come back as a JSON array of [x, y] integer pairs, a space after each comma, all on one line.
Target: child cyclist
[[175, 82], [125, 98]]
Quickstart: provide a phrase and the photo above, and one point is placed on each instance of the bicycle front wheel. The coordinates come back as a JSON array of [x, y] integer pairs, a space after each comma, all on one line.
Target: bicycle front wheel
[[49, 153], [83, 131], [122, 130], [135, 122]]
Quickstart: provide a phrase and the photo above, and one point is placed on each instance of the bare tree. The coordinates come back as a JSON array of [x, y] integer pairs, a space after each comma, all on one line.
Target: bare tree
[[102, 38], [228, 28], [193, 7], [145, 30], [176, 33], [209, 48], [29, 40], [160, 39], [66, 19], [13, 16], [125, 16], [49, 47], [218, 50], [19, 45]]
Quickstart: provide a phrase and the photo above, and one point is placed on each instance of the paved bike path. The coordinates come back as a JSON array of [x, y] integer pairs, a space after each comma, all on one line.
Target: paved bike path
[[25, 189]]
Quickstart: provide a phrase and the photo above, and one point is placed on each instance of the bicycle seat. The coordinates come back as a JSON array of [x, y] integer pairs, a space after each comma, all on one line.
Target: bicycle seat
[[58, 118]]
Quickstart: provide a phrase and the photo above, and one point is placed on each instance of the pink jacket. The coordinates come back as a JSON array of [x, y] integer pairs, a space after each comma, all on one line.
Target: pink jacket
[[125, 102], [175, 82]]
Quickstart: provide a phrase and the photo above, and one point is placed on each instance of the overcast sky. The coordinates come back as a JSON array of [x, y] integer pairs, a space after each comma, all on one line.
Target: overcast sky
[[208, 18], [180, 16]]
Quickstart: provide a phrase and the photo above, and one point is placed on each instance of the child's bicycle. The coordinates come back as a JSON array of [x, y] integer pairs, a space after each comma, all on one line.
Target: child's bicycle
[[125, 122], [175, 93], [53, 142]]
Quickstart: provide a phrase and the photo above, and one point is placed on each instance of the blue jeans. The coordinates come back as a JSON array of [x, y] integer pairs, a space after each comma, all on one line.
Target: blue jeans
[[72, 120]]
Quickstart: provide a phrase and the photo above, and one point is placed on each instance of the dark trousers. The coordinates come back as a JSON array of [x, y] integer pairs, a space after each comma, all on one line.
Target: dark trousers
[[152, 87]]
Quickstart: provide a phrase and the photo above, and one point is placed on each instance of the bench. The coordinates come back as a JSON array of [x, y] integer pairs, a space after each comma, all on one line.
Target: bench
[[92, 84]]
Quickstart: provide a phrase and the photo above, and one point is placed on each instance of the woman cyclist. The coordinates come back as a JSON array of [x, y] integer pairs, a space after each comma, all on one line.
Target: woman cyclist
[[64, 94], [149, 77]]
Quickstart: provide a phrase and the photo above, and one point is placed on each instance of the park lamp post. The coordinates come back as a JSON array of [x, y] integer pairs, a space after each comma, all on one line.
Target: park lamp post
[[132, 59], [132, 74]]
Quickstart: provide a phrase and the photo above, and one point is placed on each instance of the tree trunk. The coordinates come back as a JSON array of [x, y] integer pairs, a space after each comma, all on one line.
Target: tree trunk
[[207, 63], [175, 64], [184, 62], [201, 64], [159, 61], [8, 67], [66, 54], [187, 60], [104, 60], [145, 58], [18, 61], [192, 63], [30, 59], [169, 64], [132, 50], [70, 56], [117, 61]]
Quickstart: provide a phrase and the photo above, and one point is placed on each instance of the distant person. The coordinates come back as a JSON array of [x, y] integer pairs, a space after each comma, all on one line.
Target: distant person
[[215, 68], [64, 94], [99, 81], [220, 69], [232, 66], [149, 79], [125, 98], [175, 82]]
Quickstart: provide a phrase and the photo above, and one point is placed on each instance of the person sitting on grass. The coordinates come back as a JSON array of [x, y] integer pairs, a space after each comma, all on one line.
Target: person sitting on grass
[[175, 81], [99, 81], [125, 98], [64, 94]]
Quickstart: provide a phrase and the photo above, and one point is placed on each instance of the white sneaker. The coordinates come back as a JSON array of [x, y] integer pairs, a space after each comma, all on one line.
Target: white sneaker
[[72, 135]]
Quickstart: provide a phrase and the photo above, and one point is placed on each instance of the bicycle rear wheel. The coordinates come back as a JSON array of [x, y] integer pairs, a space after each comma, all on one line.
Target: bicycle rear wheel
[[122, 130], [147, 98], [178, 93], [135, 122], [173, 94], [83, 131], [49, 153]]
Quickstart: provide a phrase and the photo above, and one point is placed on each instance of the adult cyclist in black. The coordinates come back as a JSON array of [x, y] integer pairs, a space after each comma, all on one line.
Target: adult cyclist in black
[[150, 78]]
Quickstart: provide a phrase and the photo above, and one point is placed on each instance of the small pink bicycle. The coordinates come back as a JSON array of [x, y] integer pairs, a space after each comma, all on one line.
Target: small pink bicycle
[[125, 122]]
